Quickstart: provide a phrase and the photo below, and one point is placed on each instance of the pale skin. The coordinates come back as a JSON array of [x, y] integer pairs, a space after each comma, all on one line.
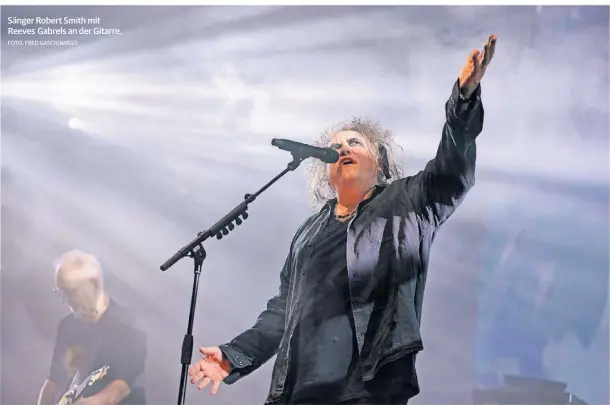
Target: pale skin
[[353, 183], [355, 174], [78, 277]]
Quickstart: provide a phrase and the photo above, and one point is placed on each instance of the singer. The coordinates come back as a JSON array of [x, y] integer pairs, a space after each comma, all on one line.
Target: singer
[[345, 323]]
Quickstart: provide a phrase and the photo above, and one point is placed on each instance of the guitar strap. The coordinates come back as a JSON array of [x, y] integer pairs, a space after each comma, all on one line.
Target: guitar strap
[[75, 380]]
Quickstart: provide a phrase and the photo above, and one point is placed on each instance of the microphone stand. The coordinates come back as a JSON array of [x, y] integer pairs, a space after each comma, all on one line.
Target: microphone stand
[[195, 250]]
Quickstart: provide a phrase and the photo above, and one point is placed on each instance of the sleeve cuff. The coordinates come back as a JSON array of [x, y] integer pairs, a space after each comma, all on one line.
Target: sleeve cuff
[[460, 107], [239, 363]]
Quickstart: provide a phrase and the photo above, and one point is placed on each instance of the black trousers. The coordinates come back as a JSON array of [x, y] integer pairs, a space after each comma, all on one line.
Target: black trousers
[[399, 377], [367, 401]]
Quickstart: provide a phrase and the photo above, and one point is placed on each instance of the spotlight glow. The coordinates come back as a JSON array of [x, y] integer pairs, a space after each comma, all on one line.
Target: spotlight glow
[[75, 123]]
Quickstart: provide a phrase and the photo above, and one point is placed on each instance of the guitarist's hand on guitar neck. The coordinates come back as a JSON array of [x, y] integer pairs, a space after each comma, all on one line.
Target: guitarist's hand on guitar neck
[[74, 395], [212, 368]]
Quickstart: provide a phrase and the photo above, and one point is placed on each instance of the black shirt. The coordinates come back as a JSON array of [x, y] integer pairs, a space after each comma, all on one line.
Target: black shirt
[[325, 364], [83, 347]]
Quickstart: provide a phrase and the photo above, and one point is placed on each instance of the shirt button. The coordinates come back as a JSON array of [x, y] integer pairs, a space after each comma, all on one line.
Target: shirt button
[[240, 363]]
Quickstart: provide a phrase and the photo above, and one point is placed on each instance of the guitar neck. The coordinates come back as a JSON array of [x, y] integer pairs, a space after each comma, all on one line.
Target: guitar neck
[[81, 388]]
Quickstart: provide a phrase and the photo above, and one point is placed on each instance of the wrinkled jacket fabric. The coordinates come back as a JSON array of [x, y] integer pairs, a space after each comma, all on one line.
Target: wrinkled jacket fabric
[[388, 248]]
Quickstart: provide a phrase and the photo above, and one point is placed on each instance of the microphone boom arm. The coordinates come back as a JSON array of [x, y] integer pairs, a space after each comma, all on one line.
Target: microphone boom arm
[[225, 225]]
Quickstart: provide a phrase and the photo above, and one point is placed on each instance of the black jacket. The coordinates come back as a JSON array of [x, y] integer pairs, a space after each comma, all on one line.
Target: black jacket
[[388, 248]]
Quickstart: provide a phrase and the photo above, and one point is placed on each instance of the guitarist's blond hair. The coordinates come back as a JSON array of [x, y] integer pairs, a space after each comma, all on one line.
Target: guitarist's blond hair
[[77, 264]]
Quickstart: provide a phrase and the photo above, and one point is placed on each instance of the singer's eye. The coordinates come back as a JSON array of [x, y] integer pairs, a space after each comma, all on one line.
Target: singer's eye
[[355, 141], [336, 146]]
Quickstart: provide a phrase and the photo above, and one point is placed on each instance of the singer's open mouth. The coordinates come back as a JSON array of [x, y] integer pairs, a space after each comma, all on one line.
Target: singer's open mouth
[[347, 161]]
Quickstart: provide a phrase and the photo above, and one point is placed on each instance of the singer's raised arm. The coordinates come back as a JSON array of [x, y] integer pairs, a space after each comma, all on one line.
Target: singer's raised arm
[[446, 179]]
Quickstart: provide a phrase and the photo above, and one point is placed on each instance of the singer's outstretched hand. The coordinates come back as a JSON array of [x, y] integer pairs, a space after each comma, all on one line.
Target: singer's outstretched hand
[[475, 67], [212, 368]]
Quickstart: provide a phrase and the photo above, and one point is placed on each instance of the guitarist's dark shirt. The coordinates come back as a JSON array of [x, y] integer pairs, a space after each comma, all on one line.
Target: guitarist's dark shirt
[[113, 341]]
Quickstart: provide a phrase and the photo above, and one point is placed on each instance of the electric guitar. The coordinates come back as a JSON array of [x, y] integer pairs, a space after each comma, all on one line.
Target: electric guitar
[[74, 393]]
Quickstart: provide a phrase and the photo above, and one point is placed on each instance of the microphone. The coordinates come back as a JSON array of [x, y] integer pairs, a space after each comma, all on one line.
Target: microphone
[[301, 150]]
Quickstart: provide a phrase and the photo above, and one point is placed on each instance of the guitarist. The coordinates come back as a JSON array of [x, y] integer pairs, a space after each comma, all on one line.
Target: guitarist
[[96, 333]]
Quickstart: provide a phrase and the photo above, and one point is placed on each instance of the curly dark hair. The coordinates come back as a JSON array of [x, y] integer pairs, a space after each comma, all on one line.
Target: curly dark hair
[[320, 189]]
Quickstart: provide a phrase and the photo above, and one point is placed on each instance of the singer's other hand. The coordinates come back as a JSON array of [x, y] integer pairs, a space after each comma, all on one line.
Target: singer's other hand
[[211, 368]]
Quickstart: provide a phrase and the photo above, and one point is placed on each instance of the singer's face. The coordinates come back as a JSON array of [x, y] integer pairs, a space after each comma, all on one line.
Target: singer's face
[[357, 165]]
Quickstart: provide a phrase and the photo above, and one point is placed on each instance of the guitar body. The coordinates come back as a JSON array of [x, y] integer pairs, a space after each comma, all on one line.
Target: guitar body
[[75, 393], [67, 398]]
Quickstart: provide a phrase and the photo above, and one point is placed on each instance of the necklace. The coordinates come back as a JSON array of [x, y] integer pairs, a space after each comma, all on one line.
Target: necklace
[[344, 216]]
